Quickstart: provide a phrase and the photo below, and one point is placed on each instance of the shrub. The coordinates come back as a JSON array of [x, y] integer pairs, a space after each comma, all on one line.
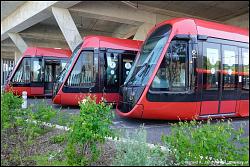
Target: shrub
[[195, 143], [58, 139], [87, 131], [135, 152], [18, 128], [43, 113], [9, 105]]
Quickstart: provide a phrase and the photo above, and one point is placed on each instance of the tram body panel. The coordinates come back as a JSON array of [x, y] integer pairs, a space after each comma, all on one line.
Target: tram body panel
[[212, 72]]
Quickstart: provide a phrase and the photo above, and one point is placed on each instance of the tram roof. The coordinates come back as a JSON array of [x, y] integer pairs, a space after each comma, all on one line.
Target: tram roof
[[110, 42], [39, 51], [195, 26]]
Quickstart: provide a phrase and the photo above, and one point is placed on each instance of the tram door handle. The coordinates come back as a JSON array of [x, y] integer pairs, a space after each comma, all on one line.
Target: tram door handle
[[103, 90], [240, 79], [90, 90]]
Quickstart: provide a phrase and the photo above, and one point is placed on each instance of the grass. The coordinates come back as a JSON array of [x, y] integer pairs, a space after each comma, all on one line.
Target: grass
[[49, 159]]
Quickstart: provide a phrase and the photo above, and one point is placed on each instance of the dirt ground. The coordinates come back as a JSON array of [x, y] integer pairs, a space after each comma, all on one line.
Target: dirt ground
[[44, 145]]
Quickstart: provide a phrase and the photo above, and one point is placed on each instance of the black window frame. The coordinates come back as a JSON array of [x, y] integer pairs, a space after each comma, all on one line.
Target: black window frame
[[188, 69], [21, 84], [80, 89]]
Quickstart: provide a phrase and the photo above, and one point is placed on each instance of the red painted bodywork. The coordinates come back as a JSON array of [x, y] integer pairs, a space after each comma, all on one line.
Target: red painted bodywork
[[190, 110], [35, 52], [96, 42]]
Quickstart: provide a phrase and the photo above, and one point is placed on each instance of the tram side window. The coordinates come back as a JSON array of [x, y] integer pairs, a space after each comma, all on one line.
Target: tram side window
[[172, 73], [36, 70], [245, 60], [211, 66], [230, 66], [112, 69], [22, 74], [127, 61], [83, 73]]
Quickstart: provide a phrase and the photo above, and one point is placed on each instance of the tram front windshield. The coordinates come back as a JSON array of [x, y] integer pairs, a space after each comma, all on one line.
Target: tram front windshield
[[65, 70], [148, 56]]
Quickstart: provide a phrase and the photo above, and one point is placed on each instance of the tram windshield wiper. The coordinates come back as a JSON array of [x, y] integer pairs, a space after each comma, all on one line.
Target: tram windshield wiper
[[142, 70]]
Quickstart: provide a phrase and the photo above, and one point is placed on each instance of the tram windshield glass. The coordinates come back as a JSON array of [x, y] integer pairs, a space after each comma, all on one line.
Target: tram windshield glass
[[148, 56], [61, 76]]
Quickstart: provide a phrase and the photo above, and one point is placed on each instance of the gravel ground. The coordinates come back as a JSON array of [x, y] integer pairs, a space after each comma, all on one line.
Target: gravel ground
[[43, 145]]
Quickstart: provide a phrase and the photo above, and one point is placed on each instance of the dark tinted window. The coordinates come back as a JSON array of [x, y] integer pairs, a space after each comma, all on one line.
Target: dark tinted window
[[112, 70], [83, 73], [230, 67], [211, 66], [172, 73], [36, 70], [22, 74], [149, 55]]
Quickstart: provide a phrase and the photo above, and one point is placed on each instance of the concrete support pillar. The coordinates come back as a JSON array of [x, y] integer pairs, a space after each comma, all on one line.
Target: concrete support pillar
[[18, 55], [18, 41], [142, 31], [67, 26]]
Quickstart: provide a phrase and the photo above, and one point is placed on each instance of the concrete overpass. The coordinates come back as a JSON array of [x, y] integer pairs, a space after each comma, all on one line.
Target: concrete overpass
[[63, 23]]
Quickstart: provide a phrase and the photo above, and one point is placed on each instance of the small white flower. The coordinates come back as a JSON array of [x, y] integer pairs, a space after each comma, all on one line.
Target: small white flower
[[84, 101], [51, 157]]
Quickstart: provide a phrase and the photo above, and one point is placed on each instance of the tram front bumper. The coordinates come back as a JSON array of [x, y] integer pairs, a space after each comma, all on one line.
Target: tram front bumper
[[57, 99]]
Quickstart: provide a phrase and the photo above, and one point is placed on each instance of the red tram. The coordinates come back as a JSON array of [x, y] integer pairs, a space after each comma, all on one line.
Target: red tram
[[189, 69], [37, 70], [98, 66]]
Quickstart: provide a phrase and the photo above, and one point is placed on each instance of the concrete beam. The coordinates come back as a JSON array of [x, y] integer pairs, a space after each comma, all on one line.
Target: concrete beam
[[34, 42], [7, 55], [30, 13], [7, 49], [142, 31], [67, 26], [18, 41], [164, 14], [125, 31], [53, 33], [240, 21], [114, 12]]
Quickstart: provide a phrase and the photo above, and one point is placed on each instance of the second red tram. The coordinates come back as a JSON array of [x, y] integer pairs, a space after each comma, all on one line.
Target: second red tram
[[98, 66], [189, 69], [37, 70]]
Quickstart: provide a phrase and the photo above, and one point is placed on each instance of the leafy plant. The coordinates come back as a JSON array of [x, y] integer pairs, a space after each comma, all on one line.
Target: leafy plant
[[20, 127], [195, 143], [134, 151], [43, 113], [88, 130], [49, 159], [58, 139], [9, 106]]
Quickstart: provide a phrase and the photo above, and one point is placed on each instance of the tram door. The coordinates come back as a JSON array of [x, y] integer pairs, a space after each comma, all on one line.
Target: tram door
[[51, 70], [219, 78], [117, 64], [110, 75]]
